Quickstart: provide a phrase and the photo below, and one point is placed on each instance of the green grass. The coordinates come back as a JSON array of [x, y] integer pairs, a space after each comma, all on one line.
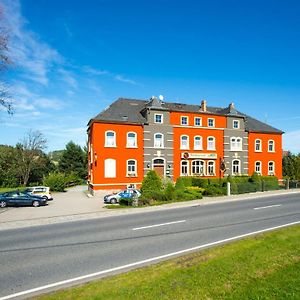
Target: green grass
[[263, 267], [6, 189]]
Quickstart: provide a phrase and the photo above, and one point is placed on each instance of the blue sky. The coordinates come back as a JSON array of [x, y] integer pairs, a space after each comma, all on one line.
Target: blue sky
[[73, 58]]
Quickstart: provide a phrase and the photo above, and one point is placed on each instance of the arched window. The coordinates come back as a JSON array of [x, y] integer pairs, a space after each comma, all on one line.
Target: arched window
[[211, 168], [258, 146], [131, 140], [236, 144], [184, 142], [158, 140], [271, 168], [131, 167], [211, 143], [184, 168], [258, 167], [198, 167], [110, 139], [197, 143], [271, 146], [236, 167], [110, 168]]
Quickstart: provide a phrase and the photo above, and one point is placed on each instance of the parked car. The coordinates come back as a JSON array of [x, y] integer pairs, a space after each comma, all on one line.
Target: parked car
[[16, 198], [114, 198], [42, 191]]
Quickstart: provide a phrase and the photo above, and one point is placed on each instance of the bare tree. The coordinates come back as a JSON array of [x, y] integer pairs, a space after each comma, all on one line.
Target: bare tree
[[30, 151], [5, 99]]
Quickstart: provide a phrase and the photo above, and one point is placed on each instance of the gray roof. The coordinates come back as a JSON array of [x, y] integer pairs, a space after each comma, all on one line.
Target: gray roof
[[132, 111]]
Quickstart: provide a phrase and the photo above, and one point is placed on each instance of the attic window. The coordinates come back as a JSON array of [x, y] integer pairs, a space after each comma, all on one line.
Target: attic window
[[125, 118]]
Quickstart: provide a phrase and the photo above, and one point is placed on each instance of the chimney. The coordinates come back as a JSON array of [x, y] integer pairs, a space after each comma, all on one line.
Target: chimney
[[203, 105], [231, 106]]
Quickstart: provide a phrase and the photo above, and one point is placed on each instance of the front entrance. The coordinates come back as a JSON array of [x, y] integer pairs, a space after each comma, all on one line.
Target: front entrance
[[159, 167]]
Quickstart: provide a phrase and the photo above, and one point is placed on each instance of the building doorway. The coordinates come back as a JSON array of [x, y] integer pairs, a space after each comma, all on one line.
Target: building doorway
[[158, 165]]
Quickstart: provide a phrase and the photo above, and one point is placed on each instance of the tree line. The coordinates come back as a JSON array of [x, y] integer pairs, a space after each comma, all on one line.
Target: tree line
[[27, 164]]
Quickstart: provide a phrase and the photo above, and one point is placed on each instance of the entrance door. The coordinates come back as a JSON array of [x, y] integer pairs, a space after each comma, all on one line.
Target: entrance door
[[159, 167]]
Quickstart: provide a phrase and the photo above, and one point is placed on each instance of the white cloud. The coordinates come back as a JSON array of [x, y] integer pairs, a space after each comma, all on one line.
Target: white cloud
[[291, 141], [34, 57], [126, 80], [69, 78], [92, 71], [48, 103]]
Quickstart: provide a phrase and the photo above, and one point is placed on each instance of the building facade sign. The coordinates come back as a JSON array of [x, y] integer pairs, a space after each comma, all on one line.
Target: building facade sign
[[187, 155]]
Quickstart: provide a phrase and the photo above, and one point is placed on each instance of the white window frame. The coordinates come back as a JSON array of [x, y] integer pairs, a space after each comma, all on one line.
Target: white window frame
[[213, 166], [187, 121], [106, 140], [271, 173], [214, 143], [239, 166], [162, 118], [211, 119], [135, 140], [260, 167], [273, 148], [260, 145], [234, 145], [131, 173], [110, 168], [187, 146], [238, 124], [162, 137], [187, 168], [195, 118], [200, 147], [202, 165]]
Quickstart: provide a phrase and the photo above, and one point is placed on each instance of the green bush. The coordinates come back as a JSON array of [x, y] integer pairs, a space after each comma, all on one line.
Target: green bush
[[188, 194], [169, 191], [183, 182], [73, 179], [200, 182], [125, 201], [214, 191], [56, 182], [151, 184]]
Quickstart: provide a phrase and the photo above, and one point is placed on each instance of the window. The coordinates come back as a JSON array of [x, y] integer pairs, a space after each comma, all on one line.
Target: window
[[131, 140], [131, 167], [184, 121], [110, 168], [198, 167], [258, 167], [197, 143], [158, 118], [184, 168], [110, 139], [271, 168], [236, 124], [184, 142], [211, 168], [211, 144], [211, 122], [271, 146], [158, 140], [236, 144], [236, 167], [198, 121], [257, 145]]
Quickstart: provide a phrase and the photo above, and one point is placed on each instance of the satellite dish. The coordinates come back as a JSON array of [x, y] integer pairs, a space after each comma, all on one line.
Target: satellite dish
[[161, 97]]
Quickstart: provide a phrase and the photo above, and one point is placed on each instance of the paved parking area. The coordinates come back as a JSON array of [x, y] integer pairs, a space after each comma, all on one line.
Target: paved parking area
[[73, 202]]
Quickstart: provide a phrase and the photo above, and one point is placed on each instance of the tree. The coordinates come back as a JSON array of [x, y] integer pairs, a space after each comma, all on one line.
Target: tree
[[30, 152], [73, 161], [5, 61], [291, 166], [151, 184]]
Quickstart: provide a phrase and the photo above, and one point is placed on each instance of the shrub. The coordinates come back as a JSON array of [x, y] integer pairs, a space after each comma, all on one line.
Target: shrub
[[73, 179], [188, 194], [56, 182], [169, 191], [200, 182], [151, 183], [183, 182], [214, 191], [125, 201]]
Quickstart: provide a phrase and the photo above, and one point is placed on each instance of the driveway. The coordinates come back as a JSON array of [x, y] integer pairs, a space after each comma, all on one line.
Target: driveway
[[72, 202]]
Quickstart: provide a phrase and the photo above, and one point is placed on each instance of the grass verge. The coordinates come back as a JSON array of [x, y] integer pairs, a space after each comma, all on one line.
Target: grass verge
[[6, 189], [263, 267]]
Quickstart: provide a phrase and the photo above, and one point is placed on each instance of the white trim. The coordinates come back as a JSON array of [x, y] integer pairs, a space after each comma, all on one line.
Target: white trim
[[187, 120], [105, 139], [260, 163], [162, 118], [188, 168], [260, 149], [271, 173], [214, 168], [238, 122], [135, 140], [204, 167], [240, 166], [164, 164], [195, 121], [269, 146], [135, 166], [187, 142], [201, 142], [200, 127], [214, 122], [214, 148], [163, 140]]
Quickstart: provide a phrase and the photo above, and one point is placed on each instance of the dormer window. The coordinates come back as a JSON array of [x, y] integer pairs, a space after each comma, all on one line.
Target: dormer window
[[236, 124], [184, 120], [158, 118]]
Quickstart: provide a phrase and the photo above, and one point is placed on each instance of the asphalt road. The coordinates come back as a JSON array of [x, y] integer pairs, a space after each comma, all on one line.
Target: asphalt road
[[40, 256]]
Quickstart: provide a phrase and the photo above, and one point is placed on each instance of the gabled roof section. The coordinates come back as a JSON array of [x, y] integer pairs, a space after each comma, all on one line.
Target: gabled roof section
[[132, 111]]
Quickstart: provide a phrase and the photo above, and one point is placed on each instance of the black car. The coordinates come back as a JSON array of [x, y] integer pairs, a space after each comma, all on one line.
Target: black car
[[16, 198]]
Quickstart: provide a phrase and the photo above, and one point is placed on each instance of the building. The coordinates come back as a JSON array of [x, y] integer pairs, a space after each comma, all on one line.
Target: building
[[133, 136]]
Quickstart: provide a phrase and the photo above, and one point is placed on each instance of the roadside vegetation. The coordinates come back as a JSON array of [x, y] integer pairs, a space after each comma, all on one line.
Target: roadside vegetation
[[263, 267]]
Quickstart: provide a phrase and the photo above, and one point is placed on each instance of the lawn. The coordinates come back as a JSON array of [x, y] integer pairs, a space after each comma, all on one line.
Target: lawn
[[6, 189], [263, 267]]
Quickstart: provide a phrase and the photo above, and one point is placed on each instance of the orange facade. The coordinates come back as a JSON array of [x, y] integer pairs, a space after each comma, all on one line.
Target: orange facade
[[270, 150], [121, 153]]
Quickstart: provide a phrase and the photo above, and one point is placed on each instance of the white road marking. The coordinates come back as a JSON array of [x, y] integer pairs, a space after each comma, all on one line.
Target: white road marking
[[141, 262], [270, 206], [158, 225]]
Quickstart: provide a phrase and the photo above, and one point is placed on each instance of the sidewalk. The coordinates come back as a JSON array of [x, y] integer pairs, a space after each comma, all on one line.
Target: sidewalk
[[104, 212]]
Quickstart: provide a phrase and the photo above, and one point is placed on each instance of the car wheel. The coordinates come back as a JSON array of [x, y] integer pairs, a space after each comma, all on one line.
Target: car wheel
[[113, 201], [2, 204], [45, 197], [35, 203]]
